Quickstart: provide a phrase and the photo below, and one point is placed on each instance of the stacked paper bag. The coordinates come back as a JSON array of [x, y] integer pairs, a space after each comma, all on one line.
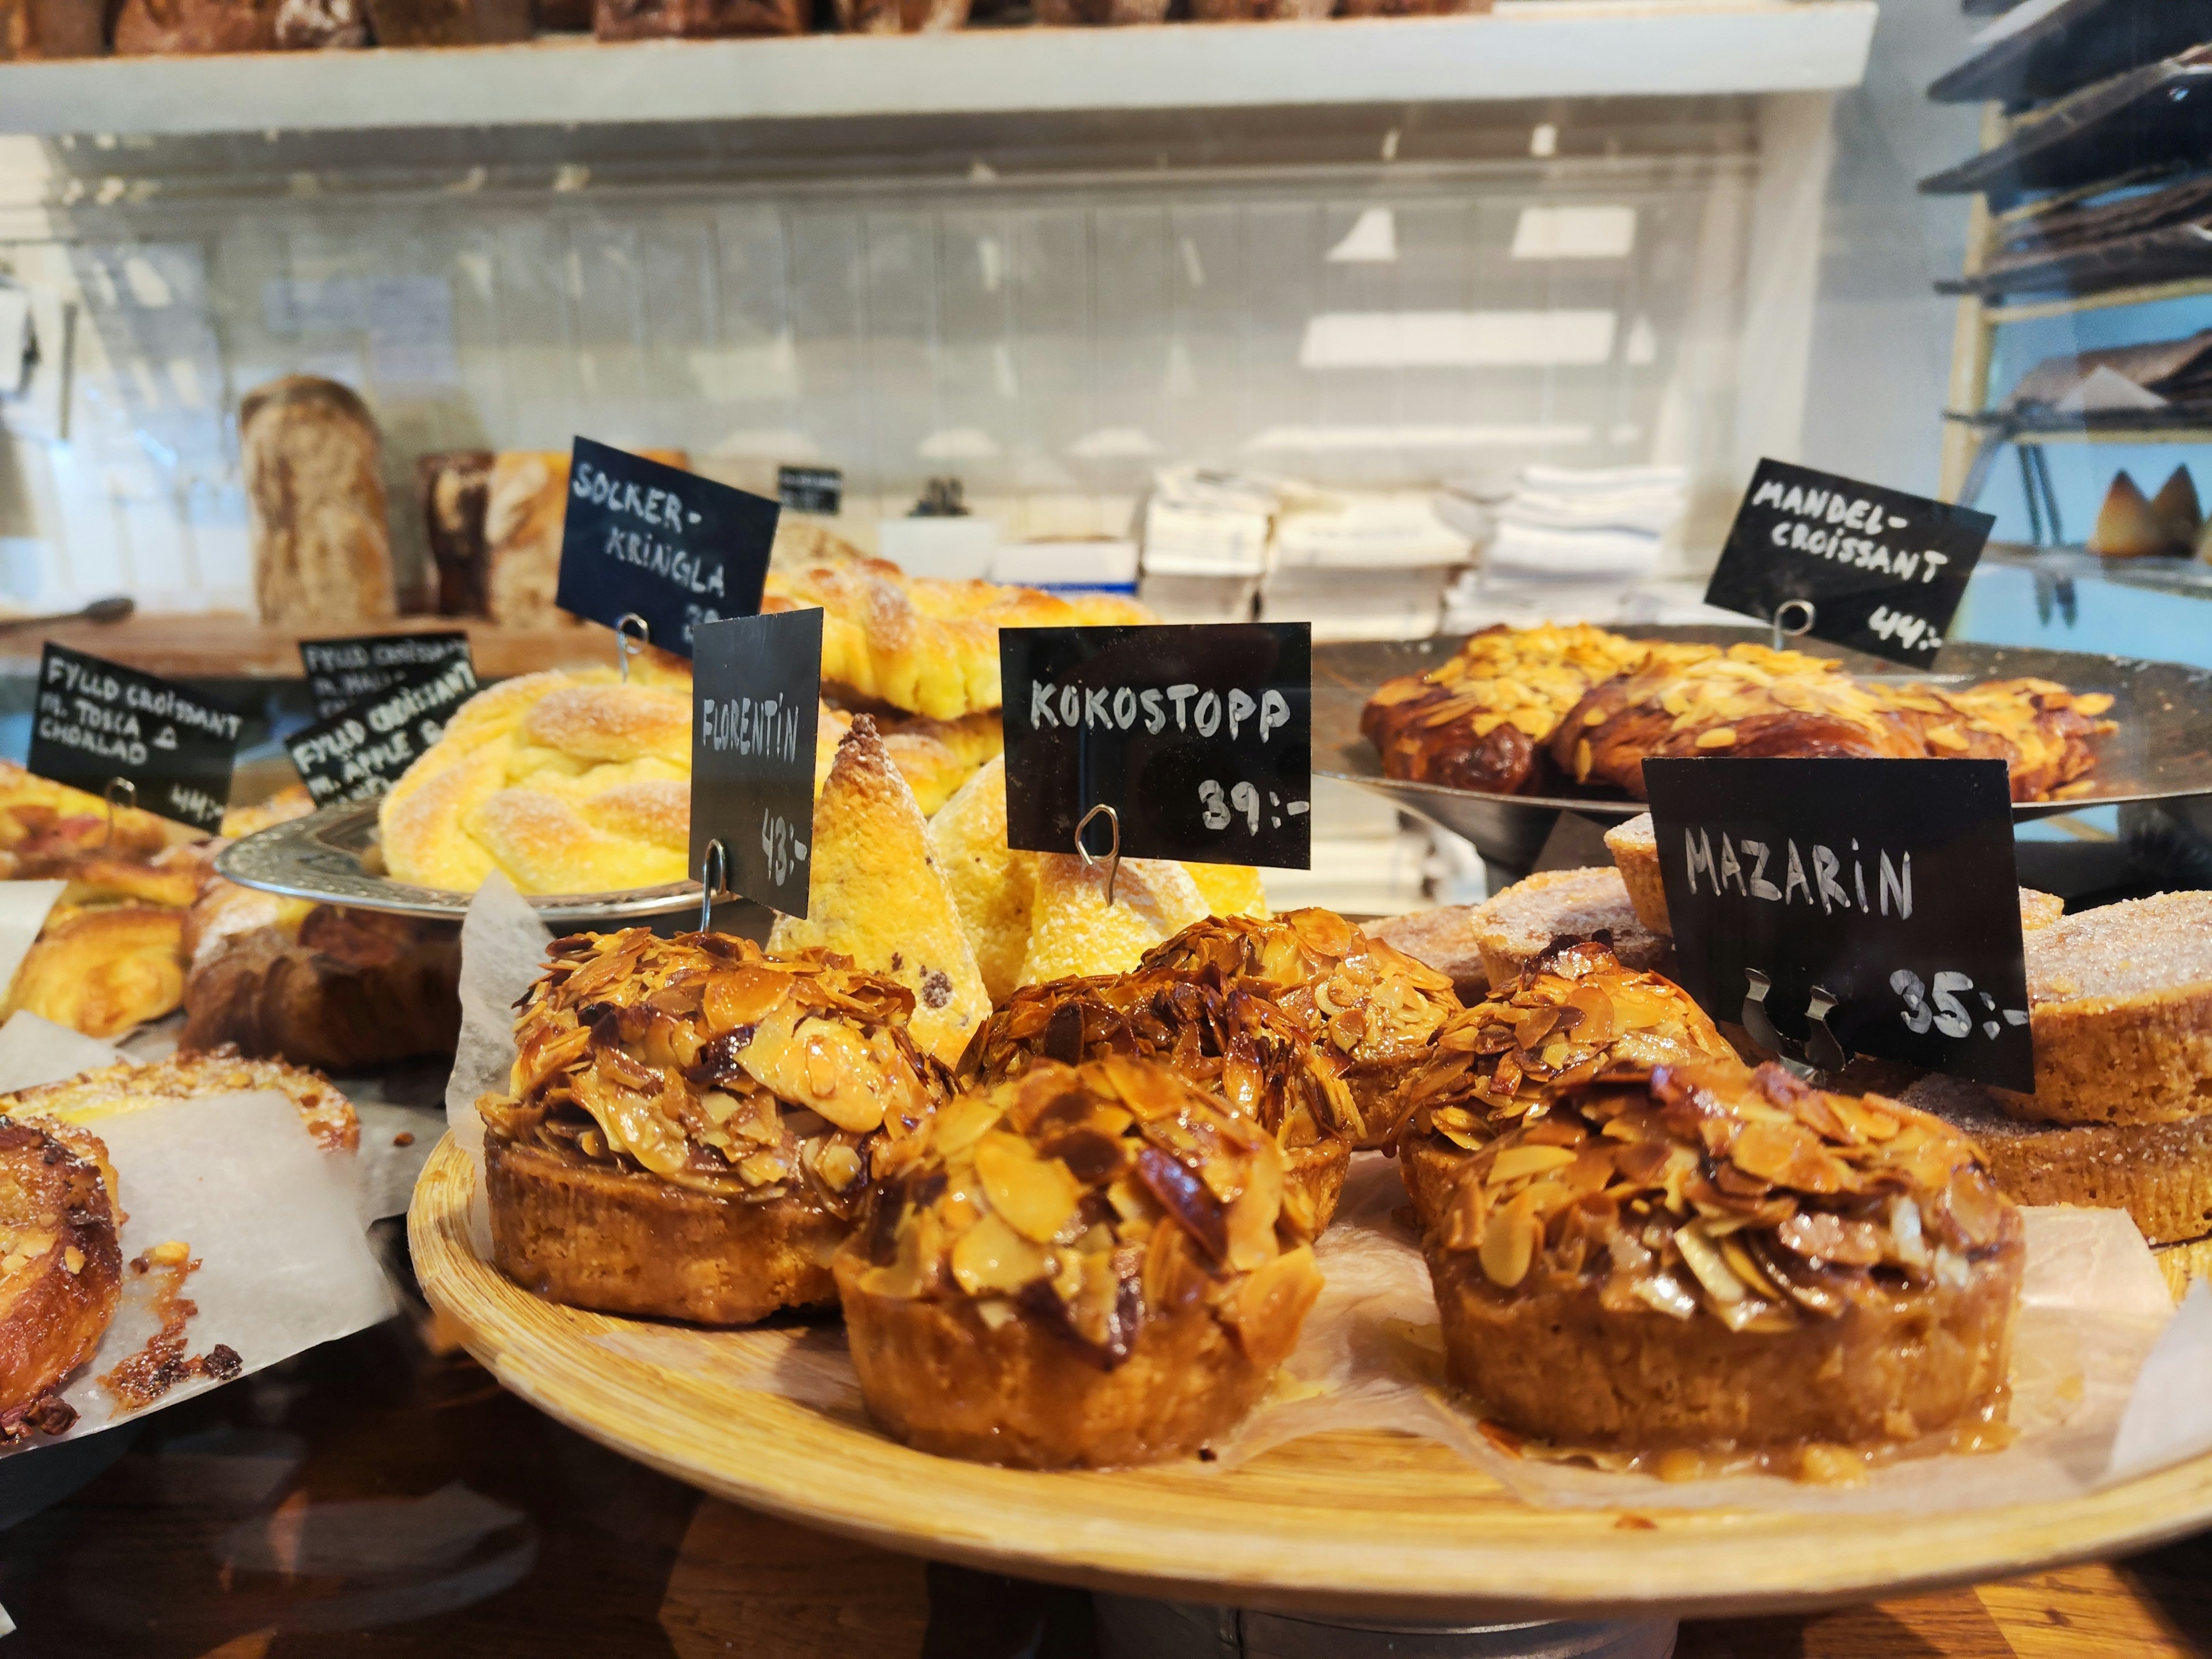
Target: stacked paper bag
[[1364, 566], [1570, 527], [1205, 544]]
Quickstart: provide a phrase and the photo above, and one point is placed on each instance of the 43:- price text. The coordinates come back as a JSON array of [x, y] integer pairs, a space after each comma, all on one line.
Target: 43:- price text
[[1220, 810], [780, 847], [1948, 1005]]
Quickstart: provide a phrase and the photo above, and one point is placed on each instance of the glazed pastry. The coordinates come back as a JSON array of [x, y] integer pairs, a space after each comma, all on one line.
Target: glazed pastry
[[691, 1124], [1073, 931], [104, 972], [876, 899], [61, 1268], [1574, 1014], [133, 1085], [1708, 1262], [1232, 1043], [1371, 1013], [1514, 928], [1051, 1279], [1443, 939]]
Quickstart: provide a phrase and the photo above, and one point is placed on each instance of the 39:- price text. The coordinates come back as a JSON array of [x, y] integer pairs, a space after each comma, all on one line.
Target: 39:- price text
[[1220, 808]]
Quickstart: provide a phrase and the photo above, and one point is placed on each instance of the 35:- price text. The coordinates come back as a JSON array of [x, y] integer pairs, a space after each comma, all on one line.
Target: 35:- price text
[[1948, 1005]]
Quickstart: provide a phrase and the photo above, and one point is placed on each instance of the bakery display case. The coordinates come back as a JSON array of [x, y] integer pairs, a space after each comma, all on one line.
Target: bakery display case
[[650, 655]]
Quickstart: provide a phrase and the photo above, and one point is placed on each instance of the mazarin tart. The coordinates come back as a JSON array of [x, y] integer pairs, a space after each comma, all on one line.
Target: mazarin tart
[[1082, 1266]]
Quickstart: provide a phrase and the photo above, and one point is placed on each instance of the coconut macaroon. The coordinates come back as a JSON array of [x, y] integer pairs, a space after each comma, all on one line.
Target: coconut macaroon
[[1370, 1012], [1573, 1014], [690, 1123], [1084, 1266], [1234, 1044], [1714, 1261]]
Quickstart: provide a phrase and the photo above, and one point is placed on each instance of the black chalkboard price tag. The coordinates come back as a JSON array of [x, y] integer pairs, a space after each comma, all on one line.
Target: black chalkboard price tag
[[1882, 570], [342, 672], [1200, 738], [1879, 895], [98, 722], [810, 488], [360, 752], [662, 543], [756, 689]]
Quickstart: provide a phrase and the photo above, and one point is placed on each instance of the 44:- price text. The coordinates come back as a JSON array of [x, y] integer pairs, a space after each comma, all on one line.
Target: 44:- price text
[[1913, 633], [1244, 799], [1948, 1007], [780, 847]]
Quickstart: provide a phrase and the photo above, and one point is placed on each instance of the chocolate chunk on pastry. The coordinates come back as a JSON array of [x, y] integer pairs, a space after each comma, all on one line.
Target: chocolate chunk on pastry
[[1574, 1013], [1051, 1278], [692, 1123], [1707, 1261]]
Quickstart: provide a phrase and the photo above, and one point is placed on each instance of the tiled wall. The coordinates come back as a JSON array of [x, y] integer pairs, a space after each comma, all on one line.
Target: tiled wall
[[1048, 342]]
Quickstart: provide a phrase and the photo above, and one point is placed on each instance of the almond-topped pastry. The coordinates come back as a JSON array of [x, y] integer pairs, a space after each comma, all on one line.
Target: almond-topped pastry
[[1233, 1043], [1574, 1014], [61, 1266], [692, 1123], [1082, 1266], [1371, 1013], [1712, 1263]]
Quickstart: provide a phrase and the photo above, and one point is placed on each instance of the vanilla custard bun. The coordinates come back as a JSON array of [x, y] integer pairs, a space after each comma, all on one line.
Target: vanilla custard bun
[[691, 1125], [1707, 1261], [1082, 1266], [1573, 1015]]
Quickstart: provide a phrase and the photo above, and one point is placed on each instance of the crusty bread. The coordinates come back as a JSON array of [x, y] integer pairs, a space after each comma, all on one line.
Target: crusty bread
[[1635, 850], [61, 1268], [591, 1236], [133, 1085], [105, 971], [309, 452], [453, 487], [1511, 928], [993, 885], [1843, 1274], [1444, 939], [876, 895], [2120, 1003], [318, 984], [525, 504], [2159, 1173], [31, 29]]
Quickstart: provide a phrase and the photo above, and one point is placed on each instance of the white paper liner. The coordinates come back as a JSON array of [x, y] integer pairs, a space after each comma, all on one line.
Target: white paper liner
[[270, 1216], [23, 907], [2094, 1309]]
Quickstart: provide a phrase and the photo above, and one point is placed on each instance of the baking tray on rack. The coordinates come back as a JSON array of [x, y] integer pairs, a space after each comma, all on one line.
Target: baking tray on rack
[[333, 856], [1364, 1525], [2163, 751]]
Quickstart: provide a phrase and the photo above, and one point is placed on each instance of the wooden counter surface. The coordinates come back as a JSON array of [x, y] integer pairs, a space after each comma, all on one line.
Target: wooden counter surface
[[225, 646]]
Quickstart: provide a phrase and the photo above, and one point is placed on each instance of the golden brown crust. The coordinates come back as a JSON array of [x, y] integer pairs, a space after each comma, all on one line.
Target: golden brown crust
[[588, 1235], [1514, 928], [2120, 1006], [2159, 1173], [103, 972], [1443, 939], [61, 1268], [310, 457], [1728, 1261], [127, 1086], [2182, 1263], [1080, 1266]]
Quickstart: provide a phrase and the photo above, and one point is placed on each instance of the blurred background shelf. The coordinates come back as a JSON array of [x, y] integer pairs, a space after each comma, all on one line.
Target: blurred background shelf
[[1525, 49]]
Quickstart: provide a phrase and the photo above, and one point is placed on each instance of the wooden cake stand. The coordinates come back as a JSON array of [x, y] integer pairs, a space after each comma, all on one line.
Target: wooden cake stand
[[1364, 1527]]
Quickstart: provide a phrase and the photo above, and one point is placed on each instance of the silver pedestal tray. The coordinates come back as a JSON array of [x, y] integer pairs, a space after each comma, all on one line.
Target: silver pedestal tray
[[2163, 751], [333, 856]]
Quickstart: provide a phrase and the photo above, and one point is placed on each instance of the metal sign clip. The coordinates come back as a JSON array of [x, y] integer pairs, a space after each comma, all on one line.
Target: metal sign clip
[[1113, 854], [1819, 1053]]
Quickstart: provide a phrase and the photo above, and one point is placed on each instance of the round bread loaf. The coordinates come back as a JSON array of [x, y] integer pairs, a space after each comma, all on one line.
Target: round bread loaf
[[1050, 1280], [1715, 1262]]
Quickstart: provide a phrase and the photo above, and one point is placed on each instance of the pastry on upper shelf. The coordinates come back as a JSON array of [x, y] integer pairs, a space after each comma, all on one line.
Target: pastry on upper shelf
[[1514, 928], [525, 504], [2120, 1006], [310, 455], [1754, 702], [691, 1123], [925, 646], [1635, 849], [1230, 1041], [568, 781], [696, 20], [1573, 1014], [133, 1085], [61, 1266], [1079, 1268], [1371, 1013], [876, 897], [1711, 1263]]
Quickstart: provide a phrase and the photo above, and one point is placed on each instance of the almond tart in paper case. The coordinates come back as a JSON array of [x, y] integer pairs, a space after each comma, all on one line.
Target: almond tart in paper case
[[691, 1124]]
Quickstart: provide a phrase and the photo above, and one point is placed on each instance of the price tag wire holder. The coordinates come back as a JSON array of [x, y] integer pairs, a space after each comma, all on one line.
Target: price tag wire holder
[[1112, 856], [1807, 612], [626, 647], [1819, 1053], [713, 882], [115, 786]]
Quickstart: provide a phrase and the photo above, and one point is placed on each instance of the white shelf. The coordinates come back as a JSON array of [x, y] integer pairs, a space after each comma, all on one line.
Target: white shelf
[[1526, 49]]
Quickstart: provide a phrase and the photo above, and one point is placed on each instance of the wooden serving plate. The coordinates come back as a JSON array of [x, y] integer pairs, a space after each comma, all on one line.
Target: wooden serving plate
[[1345, 1524]]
